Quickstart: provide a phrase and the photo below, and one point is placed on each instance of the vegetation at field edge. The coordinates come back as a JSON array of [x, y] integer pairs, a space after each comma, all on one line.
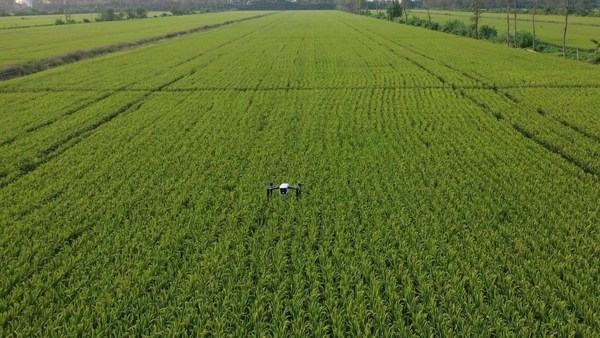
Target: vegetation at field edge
[[549, 28]]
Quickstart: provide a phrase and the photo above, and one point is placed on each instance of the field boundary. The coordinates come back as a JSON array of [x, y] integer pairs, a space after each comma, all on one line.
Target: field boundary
[[31, 67], [580, 54], [502, 19]]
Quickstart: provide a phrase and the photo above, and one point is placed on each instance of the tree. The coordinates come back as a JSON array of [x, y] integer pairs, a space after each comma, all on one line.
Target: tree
[[177, 9], [508, 22], [475, 18], [533, 22], [564, 46], [426, 5], [597, 42], [487, 32], [378, 8], [141, 13], [354, 6], [67, 12], [515, 10], [108, 14], [138, 13], [394, 10]]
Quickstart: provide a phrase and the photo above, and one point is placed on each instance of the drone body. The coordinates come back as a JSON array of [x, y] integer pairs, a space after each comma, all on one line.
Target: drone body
[[284, 189]]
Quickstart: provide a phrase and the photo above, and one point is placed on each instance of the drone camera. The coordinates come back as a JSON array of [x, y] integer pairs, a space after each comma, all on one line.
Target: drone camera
[[283, 191]]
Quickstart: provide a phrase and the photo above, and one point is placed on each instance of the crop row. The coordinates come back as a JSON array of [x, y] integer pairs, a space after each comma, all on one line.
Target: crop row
[[569, 141], [571, 144], [172, 229], [32, 139], [502, 66], [574, 107], [16, 112]]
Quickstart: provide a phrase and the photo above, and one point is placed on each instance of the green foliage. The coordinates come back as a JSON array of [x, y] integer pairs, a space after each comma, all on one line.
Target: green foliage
[[583, 12], [456, 27], [60, 21], [416, 21], [178, 9], [524, 39], [433, 26], [487, 32], [137, 13], [549, 28], [109, 14], [452, 187], [502, 38], [394, 10], [420, 22]]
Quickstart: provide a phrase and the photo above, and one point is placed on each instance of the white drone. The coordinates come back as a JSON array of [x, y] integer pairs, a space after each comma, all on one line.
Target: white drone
[[284, 189]]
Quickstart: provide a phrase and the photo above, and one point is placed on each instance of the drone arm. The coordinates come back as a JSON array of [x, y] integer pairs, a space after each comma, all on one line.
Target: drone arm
[[270, 189]]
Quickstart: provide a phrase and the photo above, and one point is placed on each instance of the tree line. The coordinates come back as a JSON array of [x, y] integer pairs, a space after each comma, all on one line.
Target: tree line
[[10, 7], [393, 9], [580, 7]]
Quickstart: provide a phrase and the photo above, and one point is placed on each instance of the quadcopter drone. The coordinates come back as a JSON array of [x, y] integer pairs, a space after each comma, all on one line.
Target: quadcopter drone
[[284, 189]]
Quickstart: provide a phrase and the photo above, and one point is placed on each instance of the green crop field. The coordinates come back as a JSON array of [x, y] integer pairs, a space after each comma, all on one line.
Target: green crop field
[[35, 43], [549, 28], [9, 22], [451, 187]]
